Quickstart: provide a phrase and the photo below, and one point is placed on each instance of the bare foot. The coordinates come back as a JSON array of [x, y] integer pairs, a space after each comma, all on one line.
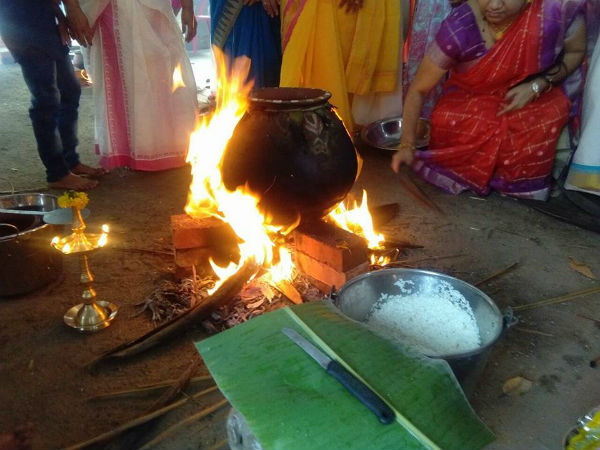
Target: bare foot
[[85, 170], [74, 182]]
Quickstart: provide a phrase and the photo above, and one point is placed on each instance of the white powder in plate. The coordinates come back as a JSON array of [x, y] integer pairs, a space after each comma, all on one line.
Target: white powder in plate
[[436, 320]]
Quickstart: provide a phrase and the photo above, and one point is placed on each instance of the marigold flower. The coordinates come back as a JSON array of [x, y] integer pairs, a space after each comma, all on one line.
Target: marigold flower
[[73, 199]]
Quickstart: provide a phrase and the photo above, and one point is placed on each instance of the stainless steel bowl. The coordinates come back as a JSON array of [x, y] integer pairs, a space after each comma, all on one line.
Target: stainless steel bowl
[[33, 202], [356, 298], [385, 134]]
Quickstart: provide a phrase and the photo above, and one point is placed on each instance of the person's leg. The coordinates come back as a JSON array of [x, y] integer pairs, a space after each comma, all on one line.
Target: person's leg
[[70, 92], [39, 72], [68, 113]]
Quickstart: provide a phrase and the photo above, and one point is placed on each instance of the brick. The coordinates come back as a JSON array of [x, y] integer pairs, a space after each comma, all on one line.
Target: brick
[[331, 245], [189, 232], [199, 257], [325, 276]]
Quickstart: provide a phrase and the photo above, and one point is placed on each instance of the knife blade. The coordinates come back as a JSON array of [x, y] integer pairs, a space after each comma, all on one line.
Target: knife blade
[[356, 387]]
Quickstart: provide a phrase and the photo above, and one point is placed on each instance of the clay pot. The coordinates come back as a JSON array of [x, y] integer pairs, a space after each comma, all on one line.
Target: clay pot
[[292, 149]]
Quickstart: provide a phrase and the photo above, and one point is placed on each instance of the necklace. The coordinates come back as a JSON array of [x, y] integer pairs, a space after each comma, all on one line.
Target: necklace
[[497, 33]]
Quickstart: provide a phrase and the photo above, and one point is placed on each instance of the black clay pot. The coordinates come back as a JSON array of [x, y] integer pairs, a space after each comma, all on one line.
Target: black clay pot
[[292, 149]]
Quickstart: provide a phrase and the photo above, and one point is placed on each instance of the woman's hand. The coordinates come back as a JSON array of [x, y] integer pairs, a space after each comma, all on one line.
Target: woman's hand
[[189, 24], [351, 5], [522, 94], [271, 7], [404, 155], [79, 27]]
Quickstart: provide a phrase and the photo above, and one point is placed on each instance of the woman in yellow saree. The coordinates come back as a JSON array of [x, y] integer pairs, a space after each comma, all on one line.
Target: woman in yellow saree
[[350, 49]]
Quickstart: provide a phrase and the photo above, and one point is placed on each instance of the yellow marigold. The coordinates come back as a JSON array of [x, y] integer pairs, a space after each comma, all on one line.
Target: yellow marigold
[[73, 199]]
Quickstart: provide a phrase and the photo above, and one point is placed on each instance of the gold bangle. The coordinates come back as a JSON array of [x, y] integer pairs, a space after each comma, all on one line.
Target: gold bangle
[[405, 146]]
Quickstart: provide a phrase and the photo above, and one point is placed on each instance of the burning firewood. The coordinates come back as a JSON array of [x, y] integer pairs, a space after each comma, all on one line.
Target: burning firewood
[[224, 294]]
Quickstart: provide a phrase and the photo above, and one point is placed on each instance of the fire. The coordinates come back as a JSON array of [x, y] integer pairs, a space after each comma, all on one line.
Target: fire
[[358, 220], [177, 78], [208, 196]]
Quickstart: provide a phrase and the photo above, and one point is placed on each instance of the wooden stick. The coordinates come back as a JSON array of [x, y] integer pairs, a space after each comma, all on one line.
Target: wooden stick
[[182, 382], [400, 244], [175, 428], [530, 331], [412, 261], [288, 289], [589, 318], [159, 334], [497, 274], [418, 194], [219, 445], [142, 391], [137, 421], [382, 214], [561, 299], [142, 250]]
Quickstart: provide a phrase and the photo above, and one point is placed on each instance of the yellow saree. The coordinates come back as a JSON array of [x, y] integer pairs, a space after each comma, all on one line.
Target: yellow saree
[[345, 53]]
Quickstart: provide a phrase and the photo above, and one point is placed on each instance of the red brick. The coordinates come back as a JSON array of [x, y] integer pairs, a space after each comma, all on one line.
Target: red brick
[[331, 245], [199, 257], [190, 232], [324, 275]]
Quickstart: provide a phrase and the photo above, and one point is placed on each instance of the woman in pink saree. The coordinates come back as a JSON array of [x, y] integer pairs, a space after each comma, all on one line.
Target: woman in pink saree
[[144, 88]]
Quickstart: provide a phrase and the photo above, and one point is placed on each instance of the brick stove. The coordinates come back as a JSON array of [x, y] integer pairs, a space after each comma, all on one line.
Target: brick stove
[[325, 254]]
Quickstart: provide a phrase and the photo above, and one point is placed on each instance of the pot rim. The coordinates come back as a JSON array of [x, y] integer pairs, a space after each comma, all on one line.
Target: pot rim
[[480, 350], [26, 232], [288, 97]]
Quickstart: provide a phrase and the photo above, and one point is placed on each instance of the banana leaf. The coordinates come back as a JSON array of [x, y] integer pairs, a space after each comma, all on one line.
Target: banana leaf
[[290, 402]]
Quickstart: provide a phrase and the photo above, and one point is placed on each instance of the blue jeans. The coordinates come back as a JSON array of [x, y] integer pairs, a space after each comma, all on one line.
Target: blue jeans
[[55, 94]]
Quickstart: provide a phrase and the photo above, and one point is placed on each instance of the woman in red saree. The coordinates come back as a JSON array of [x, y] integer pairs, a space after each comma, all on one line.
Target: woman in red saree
[[513, 65]]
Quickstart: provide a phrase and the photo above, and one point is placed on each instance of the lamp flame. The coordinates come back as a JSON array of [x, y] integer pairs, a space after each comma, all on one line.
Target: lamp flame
[[177, 78]]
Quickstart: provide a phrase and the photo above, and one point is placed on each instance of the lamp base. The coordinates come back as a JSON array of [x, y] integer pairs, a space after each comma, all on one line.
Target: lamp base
[[91, 317]]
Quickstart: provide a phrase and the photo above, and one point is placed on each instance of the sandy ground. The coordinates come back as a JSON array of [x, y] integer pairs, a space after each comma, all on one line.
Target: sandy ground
[[45, 384]]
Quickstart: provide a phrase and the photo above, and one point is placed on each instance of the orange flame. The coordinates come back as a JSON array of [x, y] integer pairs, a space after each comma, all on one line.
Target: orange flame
[[208, 196], [358, 220], [177, 78], [85, 76]]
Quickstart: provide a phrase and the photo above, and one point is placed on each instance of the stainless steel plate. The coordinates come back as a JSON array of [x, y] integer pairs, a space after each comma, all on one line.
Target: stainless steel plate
[[385, 134]]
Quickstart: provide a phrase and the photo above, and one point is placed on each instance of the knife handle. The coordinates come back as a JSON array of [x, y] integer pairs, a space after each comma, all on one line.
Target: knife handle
[[362, 392]]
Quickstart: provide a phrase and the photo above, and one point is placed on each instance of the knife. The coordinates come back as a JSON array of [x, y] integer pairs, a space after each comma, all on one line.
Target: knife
[[356, 387]]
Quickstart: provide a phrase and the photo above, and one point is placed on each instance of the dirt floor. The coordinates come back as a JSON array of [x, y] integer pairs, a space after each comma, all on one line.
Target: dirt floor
[[44, 382]]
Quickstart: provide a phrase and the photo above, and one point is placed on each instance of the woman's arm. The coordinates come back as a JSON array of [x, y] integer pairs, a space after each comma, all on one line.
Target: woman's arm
[[78, 24], [574, 51], [428, 75], [189, 25]]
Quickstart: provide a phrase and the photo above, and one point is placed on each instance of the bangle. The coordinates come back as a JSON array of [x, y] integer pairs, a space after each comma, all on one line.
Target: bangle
[[405, 146]]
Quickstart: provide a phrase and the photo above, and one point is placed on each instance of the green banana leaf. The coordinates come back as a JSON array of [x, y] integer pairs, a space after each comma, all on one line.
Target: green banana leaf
[[290, 402]]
